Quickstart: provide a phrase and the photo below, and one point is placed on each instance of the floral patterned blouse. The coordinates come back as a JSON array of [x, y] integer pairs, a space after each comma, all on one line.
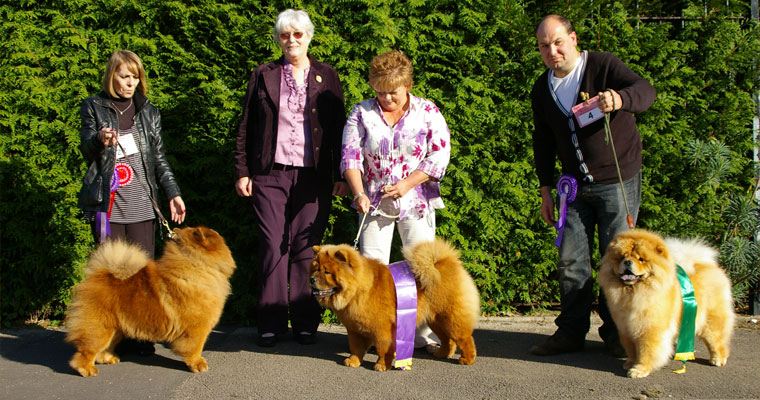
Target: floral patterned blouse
[[385, 155]]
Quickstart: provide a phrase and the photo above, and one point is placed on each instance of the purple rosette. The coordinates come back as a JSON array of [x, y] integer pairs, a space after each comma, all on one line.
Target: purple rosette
[[567, 187], [102, 224]]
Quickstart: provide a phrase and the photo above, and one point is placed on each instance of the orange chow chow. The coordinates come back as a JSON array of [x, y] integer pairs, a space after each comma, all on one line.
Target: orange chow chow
[[638, 277], [177, 298], [362, 293]]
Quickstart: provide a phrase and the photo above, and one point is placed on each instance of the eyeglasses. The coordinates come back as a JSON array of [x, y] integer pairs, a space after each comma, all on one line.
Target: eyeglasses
[[286, 35]]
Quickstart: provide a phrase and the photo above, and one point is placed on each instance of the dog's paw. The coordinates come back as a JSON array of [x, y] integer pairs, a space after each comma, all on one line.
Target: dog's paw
[[380, 367], [639, 371], [466, 360], [198, 366], [107, 358], [352, 361], [85, 370], [719, 361]]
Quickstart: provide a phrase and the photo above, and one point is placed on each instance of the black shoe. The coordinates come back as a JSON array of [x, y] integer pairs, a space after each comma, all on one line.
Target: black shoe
[[613, 346], [132, 346], [306, 338], [557, 344], [145, 348], [266, 341]]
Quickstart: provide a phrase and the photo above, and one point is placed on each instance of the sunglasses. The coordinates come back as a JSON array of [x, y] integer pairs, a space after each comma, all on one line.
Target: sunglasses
[[286, 35]]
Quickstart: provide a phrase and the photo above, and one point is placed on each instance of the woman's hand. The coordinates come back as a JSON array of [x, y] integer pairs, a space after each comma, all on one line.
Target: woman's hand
[[400, 188], [341, 189], [397, 190], [362, 203], [108, 136], [177, 207], [244, 187]]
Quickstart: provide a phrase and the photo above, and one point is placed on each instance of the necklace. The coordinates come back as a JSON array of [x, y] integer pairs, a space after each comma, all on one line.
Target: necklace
[[125, 110]]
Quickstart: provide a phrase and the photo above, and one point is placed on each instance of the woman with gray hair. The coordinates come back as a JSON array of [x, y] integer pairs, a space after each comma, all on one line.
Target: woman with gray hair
[[287, 156]]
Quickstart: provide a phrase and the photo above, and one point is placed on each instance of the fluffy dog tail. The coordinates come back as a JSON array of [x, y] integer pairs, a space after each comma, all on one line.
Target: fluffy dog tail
[[443, 279], [423, 258], [687, 252], [428, 258], [118, 258]]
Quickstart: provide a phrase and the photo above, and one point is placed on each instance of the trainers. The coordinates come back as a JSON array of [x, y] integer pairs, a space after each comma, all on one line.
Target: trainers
[[557, 344]]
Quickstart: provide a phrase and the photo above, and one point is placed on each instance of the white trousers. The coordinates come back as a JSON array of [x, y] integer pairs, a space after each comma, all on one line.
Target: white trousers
[[375, 242]]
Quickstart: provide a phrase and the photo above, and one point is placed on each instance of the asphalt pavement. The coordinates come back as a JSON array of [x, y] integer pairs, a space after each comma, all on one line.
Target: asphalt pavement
[[34, 365]]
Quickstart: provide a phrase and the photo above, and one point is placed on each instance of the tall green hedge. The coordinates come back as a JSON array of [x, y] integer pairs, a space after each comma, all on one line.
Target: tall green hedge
[[476, 60]]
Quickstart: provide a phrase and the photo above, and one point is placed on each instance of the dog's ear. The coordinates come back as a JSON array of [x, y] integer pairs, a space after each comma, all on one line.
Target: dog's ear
[[612, 244], [342, 256], [199, 235], [661, 249]]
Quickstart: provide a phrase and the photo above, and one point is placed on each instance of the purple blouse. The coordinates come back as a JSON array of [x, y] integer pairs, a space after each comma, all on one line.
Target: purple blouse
[[385, 154], [294, 145]]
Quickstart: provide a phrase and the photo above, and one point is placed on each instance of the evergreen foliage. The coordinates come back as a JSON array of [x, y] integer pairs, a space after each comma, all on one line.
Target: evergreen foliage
[[476, 60]]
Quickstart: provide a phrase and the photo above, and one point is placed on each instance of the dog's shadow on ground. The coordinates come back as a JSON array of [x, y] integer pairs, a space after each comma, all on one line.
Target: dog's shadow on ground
[[516, 345], [48, 349], [38, 347], [490, 343], [329, 345]]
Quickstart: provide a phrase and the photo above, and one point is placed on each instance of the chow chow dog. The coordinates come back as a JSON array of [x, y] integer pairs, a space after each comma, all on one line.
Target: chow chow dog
[[362, 293], [177, 298], [638, 277]]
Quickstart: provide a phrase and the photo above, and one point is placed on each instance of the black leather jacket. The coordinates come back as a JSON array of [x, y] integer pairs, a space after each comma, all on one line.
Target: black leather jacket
[[96, 112]]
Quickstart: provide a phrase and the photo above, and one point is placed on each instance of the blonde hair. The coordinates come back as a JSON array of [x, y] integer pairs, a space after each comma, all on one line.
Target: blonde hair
[[135, 66], [390, 70]]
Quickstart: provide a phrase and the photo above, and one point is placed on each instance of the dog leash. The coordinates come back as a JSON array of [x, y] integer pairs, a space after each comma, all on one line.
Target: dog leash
[[161, 218], [361, 226], [377, 209], [608, 139]]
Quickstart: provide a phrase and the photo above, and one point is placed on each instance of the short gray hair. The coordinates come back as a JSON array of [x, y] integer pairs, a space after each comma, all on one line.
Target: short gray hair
[[298, 19]]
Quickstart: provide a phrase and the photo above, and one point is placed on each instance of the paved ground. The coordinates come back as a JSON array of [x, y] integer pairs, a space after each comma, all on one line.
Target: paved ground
[[34, 365]]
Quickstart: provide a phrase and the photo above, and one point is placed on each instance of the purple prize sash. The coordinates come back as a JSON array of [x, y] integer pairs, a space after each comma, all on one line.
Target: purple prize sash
[[406, 312], [102, 225], [567, 187]]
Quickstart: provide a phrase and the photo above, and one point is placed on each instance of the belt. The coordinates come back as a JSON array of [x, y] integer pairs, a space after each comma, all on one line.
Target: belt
[[283, 167]]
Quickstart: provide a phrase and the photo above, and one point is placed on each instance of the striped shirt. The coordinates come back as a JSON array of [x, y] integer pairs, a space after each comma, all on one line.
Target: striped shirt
[[132, 203]]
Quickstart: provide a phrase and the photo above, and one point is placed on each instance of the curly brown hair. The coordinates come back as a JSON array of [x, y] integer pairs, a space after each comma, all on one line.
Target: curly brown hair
[[390, 70]]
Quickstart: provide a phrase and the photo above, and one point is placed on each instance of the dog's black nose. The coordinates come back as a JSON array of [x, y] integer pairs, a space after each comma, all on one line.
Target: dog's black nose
[[628, 263], [312, 280]]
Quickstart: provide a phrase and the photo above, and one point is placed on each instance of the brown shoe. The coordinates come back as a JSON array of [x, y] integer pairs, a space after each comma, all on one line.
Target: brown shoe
[[557, 344]]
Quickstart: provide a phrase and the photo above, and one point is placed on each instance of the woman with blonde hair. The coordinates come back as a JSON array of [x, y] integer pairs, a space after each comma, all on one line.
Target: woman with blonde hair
[[121, 142], [395, 151]]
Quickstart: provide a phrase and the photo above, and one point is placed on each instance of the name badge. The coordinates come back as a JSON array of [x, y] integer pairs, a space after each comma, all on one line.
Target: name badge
[[587, 113], [129, 145]]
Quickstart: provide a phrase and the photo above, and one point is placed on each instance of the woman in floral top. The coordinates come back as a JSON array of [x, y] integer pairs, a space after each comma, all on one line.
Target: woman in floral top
[[395, 151]]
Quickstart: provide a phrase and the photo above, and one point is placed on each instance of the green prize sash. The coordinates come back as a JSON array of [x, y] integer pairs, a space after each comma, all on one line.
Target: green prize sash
[[685, 344]]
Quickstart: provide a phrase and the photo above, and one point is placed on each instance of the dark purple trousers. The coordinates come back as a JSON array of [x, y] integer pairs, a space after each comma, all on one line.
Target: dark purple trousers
[[140, 233], [291, 208]]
